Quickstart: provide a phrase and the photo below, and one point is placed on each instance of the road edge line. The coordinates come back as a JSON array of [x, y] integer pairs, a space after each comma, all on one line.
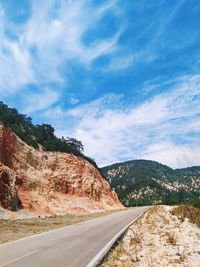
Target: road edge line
[[104, 251], [35, 235]]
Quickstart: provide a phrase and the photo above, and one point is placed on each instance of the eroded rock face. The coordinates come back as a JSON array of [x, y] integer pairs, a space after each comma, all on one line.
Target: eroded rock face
[[49, 182], [8, 195]]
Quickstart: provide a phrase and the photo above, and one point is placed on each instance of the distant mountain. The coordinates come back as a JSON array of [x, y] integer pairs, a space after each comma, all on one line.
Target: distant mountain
[[145, 182]]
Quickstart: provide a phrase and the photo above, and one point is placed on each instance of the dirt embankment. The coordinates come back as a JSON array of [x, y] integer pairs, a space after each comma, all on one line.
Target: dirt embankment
[[162, 237]]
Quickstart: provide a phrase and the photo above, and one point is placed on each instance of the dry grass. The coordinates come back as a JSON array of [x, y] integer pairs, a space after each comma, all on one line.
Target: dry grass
[[116, 257], [187, 211], [114, 254], [159, 238], [136, 239], [183, 256], [119, 255], [171, 238], [16, 229]]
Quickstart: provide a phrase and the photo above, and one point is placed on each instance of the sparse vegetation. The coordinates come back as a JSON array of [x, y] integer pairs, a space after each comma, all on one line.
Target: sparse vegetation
[[15, 229], [157, 239], [187, 211], [171, 238]]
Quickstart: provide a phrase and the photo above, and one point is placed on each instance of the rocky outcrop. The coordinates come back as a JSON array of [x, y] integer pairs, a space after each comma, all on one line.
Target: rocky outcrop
[[49, 182]]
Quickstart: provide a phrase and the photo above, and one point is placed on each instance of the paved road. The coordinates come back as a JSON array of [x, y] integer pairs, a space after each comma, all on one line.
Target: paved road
[[74, 245]]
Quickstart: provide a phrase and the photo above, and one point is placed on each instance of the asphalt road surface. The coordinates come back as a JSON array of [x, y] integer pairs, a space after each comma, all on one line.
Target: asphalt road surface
[[74, 245]]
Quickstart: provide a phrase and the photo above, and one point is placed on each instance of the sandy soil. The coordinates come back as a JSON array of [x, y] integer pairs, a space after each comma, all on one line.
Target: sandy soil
[[158, 239], [61, 206]]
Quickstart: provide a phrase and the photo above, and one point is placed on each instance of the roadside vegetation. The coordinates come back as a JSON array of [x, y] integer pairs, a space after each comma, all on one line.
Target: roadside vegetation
[[187, 211], [163, 236]]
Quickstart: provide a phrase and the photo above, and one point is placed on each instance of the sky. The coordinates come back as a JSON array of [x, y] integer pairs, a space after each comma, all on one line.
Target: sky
[[122, 76]]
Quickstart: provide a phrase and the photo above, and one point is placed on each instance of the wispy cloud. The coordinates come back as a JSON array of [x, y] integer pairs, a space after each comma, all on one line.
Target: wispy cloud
[[15, 61], [39, 100], [177, 156], [129, 71], [56, 33], [73, 100], [156, 129], [43, 47], [119, 63]]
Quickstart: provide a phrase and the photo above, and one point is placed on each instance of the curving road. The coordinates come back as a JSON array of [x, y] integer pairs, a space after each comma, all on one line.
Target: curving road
[[75, 245]]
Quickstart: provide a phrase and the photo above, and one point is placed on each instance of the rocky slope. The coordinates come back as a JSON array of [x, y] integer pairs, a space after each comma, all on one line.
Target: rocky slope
[[49, 183], [144, 182]]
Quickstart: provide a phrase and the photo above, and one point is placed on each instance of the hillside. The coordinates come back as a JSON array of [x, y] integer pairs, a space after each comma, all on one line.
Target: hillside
[[40, 136], [144, 182], [49, 175]]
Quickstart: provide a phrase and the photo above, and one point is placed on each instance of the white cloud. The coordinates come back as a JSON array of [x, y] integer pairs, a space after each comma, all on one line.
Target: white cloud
[[15, 61], [163, 128], [176, 156], [51, 37], [56, 33], [37, 101], [73, 100], [120, 63]]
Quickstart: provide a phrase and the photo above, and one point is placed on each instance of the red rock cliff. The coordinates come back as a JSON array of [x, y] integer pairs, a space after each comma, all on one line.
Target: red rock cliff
[[49, 182]]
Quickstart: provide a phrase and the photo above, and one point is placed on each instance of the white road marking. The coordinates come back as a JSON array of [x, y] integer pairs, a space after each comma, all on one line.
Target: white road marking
[[102, 253], [19, 258]]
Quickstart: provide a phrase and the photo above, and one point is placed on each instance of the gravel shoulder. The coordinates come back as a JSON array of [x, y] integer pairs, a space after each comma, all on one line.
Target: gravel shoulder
[[15, 229]]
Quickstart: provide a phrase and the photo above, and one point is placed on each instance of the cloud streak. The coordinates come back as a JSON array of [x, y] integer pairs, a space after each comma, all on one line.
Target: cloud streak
[[40, 100], [38, 51], [124, 79], [157, 129], [15, 66]]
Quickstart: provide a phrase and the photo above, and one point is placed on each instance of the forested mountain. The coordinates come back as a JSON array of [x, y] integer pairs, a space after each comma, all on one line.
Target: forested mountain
[[39, 135], [145, 182]]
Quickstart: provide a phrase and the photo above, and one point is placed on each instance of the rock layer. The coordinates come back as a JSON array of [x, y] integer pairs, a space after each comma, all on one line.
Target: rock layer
[[49, 182]]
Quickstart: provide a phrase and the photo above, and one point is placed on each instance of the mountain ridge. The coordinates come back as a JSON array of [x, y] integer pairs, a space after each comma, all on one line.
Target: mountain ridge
[[146, 182], [149, 160]]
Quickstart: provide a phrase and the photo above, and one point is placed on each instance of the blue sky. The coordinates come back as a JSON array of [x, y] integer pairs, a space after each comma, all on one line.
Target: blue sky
[[121, 76]]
